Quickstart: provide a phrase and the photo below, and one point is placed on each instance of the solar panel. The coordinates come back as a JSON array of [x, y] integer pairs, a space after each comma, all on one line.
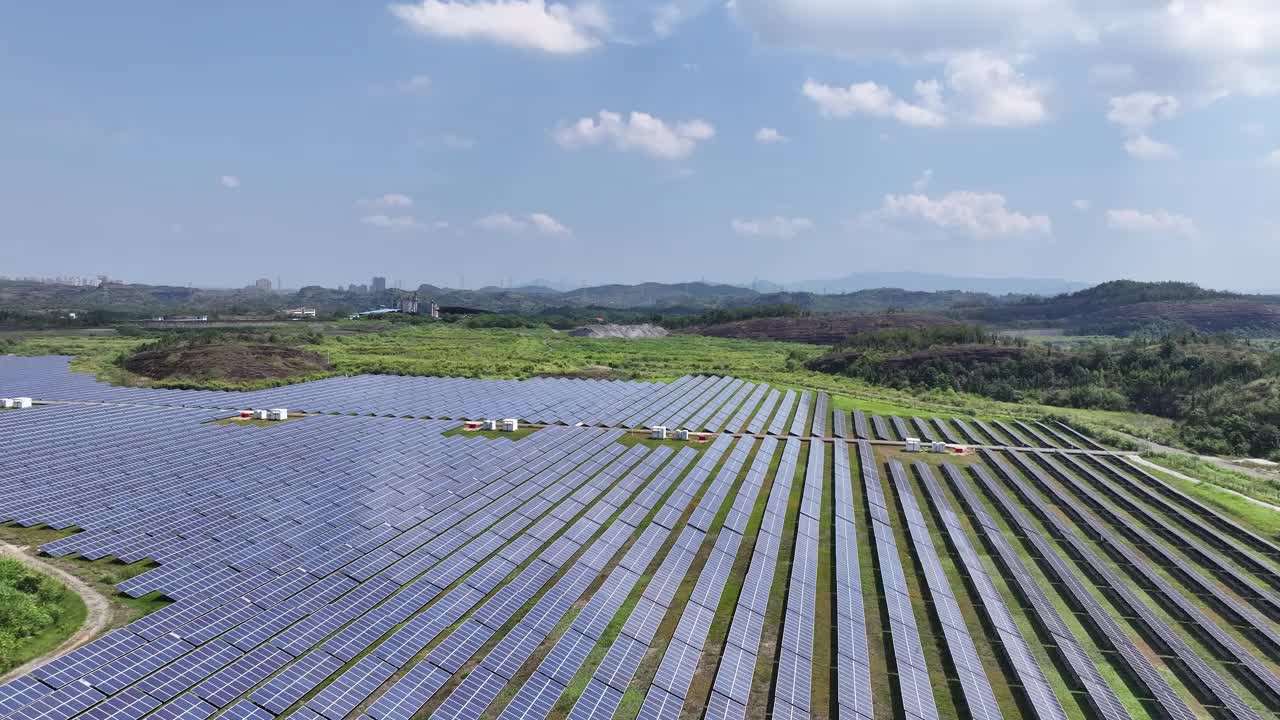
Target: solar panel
[[351, 688], [300, 678], [534, 701]]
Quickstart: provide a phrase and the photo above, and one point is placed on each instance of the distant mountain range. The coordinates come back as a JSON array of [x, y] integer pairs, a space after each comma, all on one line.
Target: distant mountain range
[[932, 282], [1118, 307], [853, 282]]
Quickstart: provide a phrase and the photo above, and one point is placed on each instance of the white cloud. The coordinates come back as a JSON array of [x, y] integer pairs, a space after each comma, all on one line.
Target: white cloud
[[639, 131], [504, 222], [527, 24], [776, 226], [868, 98], [922, 183], [977, 214], [390, 222], [389, 200], [1082, 205], [1205, 49], [770, 135], [501, 222], [1138, 111], [547, 224], [979, 88], [911, 29], [1208, 48], [992, 92], [1142, 146], [231, 182], [1160, 222], [1272, 160]]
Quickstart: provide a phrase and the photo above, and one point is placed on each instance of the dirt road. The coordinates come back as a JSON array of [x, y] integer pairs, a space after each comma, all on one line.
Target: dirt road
[[95, 621]]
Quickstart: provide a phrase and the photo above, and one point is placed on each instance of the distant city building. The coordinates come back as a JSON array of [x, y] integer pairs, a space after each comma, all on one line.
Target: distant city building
[[354, 288], [409, 304], [379, 284], [435, 311], [263, 284]]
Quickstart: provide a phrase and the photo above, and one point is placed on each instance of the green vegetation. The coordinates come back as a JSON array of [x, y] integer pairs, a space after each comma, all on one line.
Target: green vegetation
[[524, 432], [1223, 393], [723, 315], [37, 613], [1216, 482]]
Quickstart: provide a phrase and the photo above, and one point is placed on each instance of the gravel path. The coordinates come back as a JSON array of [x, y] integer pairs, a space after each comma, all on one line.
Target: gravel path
[[95, 622], [1143, 461]]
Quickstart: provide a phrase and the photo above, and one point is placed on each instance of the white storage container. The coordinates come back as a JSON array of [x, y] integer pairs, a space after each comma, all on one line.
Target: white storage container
[[658, 432], [510, 425], [913, 444], [490, 425], [261, 414], [278, 414], [938, 447], [23, 402], [6, 403], [682, 434]]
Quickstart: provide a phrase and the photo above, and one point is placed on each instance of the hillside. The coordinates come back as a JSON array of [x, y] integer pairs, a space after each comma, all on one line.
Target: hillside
[[1122, 307], [933, 282], [229, 362], [1114, 308], [1223, 394], [816, 329]]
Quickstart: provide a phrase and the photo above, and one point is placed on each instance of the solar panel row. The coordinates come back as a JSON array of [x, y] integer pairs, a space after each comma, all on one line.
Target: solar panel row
[[839, 423], [779, 422], [732, 683], [675, 671], [1028, 676], [1095, 615], [914, 688], [1256, 674], [641, 626], [794, 682], [1098, 694], [853, 659], [1215, 690], [974, 684], [820, 415]]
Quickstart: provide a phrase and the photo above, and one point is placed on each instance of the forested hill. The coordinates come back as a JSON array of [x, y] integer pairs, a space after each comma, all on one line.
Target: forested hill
[[1224, 393], [1122, 306]]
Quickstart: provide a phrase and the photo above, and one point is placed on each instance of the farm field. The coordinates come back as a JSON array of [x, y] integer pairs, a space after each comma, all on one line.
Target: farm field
[[368, 560]]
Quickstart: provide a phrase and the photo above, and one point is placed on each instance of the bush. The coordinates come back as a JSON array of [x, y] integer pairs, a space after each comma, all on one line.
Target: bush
[[30, 603]]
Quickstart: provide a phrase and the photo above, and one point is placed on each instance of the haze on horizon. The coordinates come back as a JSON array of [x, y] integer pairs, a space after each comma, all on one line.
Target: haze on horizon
[[476, 142]]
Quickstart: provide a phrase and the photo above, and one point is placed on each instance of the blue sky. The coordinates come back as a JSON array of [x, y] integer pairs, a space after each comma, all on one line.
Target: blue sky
[[480, 141]]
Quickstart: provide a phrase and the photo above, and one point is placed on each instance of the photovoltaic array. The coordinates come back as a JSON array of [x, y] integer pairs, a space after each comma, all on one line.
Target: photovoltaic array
[[366, 560]]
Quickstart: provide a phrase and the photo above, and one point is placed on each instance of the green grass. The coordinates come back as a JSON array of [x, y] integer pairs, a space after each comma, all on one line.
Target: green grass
[[63, 613], [524, 432], [253, 422], [1261, 518]]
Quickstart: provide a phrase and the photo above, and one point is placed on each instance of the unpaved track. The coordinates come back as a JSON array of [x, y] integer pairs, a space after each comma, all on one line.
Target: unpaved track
[[95, 621]]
